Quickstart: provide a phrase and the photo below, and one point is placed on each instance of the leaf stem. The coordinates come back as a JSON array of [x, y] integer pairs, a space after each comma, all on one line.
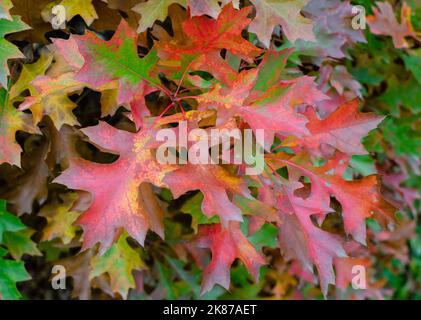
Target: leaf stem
[[182, 78]]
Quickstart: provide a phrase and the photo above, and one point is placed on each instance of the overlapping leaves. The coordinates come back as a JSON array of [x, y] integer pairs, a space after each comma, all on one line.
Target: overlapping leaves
[[209, 70]]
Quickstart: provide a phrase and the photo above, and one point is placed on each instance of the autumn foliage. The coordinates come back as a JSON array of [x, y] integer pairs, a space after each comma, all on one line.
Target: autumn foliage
[[82, 187]]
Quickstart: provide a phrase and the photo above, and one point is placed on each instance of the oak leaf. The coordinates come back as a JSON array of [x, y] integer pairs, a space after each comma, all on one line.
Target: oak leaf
[[215, 183], [271, 13], [29, 73], [8, 50], [226, 245], [384, 22], [301, 239], [343, 129], [206, 35], [60, 220], [118, 263], [116, 59], [360, 199], [12, 120], [52, 99], [273, 111], [20, 243], [30, 12], [30, 185], [11, 272], [153, 10], [119, 197]]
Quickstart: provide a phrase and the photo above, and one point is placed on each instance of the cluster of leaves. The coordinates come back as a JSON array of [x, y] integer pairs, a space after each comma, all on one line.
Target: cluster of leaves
[[80, 112], [389, 70]]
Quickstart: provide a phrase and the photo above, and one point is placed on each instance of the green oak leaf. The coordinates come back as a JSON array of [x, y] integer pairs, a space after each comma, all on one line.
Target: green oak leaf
[[118, 262], [20, 243], [7, 49], [11, 272], [8, 222]]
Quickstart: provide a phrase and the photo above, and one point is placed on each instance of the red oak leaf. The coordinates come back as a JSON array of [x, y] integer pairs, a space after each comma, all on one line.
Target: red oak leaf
[[343, 130], [409, 195], [299, 237], [360, 198], [302, 240], [213, 63], [274, 111], [226, 245], [120, 199], [206, 35], [215, 183], [384, 22], [69, 51]]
